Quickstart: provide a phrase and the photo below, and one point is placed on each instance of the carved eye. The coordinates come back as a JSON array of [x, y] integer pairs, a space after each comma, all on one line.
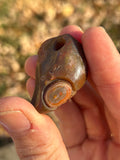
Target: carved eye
[[57, 93], [63, 65]]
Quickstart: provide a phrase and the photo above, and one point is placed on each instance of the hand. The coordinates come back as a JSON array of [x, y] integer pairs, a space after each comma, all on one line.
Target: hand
[[89, 124]]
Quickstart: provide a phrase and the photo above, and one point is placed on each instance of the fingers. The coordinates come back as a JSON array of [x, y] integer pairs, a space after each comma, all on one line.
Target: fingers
[[102, 56], [30, 66], [74, 31], [35, 135], [92, 108], [30, 86], [104, 64]]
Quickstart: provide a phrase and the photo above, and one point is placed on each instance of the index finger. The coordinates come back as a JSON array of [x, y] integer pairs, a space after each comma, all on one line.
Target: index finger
[[104, 66]]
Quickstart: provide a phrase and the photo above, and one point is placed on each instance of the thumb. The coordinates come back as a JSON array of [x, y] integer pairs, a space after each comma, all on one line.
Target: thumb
[[35, 135]]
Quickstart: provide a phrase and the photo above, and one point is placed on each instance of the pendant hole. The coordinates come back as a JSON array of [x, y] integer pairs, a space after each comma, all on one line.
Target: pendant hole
[[59, 44]]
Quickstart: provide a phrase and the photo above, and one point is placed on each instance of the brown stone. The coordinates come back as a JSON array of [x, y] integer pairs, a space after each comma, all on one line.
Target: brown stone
[[60, 59]]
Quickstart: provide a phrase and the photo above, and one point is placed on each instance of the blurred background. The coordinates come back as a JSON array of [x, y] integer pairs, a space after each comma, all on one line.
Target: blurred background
[[25, 24]]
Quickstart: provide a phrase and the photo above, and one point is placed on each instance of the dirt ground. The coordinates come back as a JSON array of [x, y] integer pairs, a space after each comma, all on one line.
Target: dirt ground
[[25, 24]]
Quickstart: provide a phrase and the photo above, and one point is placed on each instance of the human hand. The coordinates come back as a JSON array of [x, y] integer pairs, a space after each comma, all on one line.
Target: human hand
[[89, 123]]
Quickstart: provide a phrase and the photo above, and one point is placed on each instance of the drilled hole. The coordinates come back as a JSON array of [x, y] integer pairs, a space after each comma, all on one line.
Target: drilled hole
[[59, 44]]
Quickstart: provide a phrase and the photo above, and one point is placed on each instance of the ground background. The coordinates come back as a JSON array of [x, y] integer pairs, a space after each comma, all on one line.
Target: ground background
[[25, 24]]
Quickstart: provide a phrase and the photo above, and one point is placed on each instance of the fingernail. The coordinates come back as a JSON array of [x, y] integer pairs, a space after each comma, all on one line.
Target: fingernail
[[14, 121], [102, 28]]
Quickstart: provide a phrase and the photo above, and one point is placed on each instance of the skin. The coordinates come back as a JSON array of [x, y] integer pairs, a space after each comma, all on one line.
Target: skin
[[89, 123]]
